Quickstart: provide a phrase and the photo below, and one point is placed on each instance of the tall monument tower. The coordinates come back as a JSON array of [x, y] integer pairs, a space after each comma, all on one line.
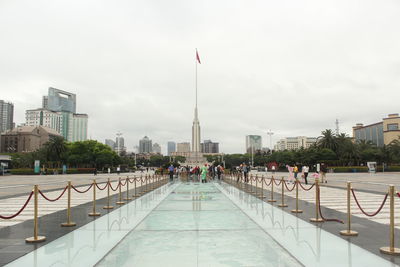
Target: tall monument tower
[[196, 123], [196, 132]]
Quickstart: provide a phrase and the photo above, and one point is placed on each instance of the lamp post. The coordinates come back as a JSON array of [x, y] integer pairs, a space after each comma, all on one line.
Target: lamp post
[[270, 133]]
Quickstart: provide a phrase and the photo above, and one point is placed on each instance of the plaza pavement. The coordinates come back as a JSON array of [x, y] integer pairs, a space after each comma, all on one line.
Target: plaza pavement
[[370, 190]]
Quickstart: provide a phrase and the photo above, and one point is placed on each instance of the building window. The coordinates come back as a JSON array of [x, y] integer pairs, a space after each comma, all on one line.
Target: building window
[[393, 127]]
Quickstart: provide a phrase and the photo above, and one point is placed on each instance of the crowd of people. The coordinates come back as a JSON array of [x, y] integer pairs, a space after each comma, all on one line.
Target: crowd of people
[[204, 173]]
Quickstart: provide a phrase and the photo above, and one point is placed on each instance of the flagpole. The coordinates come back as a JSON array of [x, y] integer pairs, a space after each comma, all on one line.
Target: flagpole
[[196, 78]]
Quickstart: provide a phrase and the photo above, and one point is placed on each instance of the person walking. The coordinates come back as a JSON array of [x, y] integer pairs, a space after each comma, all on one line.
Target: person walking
[[291, 177], [219, 172], [171, 172], [295, 171], [204, 174], [273, 169], [324, 170], [305, 170], [246, 173]]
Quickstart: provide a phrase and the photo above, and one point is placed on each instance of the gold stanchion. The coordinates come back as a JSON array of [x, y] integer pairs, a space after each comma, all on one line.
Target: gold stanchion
[[272, 191], [256, 193], [68, 223], [317, 218], [283, 205], [348, 232], [94, 213], [108, 207], [35, 238], [262, 186], [136, 193], [127, 189], [120, 202], [391, 250], [297, 198]]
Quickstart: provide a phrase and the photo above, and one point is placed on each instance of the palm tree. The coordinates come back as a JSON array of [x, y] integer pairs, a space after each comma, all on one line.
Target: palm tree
[[328, 140], [55, 149]]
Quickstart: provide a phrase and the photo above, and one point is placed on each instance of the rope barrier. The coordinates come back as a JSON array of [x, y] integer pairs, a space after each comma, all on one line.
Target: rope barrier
[[84, 191], [306, 188], [52, 200], [119, 184], [277, 184], [18, 212], [290, 190], [123, 184], [268, 184], [320, 212], [101, 189], [363, 211]]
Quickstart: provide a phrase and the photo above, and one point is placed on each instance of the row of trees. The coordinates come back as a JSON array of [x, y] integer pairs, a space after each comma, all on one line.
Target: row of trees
[[336, 150], [86, 154]]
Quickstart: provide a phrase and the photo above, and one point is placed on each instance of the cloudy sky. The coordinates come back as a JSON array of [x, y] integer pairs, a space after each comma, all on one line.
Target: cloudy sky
[[292, 66]]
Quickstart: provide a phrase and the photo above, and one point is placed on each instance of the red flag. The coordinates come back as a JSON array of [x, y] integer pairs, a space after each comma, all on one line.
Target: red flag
[[197, 57]]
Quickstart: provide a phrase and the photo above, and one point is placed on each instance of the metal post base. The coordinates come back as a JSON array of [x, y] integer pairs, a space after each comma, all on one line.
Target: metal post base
[[271, 200], [108, 207], [318, 220], [128, 198], [282, 205], [68, 224], [35, 240], [297, 211], [94, 214], [349, 233], [387, 250], [120, 203]]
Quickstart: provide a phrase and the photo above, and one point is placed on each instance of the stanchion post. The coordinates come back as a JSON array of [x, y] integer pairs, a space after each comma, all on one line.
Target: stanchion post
[[283, 205], [391, 250], [348, 231], [94, 213], [256, 193], [68, 223], [272, 191], [262, 186], [35, 238], [297, 198], [317, 218], [127, 189], [136, 193], [108, 207], [120, 202]]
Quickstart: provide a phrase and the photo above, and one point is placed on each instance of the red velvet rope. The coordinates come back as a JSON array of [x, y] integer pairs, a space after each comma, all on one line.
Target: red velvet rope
[[84, 191], [52, 200], [306, 189], [320, 212], [118, 185], [290, 190], [19, 212], [268, 184], [98, 187], [362, 210]]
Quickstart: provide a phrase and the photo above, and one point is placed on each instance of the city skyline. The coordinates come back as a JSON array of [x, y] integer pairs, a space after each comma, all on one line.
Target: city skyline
[[264, 66]]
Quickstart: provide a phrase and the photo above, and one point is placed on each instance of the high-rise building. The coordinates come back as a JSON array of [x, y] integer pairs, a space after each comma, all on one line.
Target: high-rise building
[[6, 116], [119, 143], [156, 148], [171, 147], [253, 143], [46, 118], [145, 145], [293, 143], [380, 133], [208, 147], [59, 100], [58, 112], [183, 147], [110, 143]]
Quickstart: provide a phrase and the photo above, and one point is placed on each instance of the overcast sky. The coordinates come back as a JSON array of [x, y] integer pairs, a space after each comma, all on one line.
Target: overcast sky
[[292, 66]]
